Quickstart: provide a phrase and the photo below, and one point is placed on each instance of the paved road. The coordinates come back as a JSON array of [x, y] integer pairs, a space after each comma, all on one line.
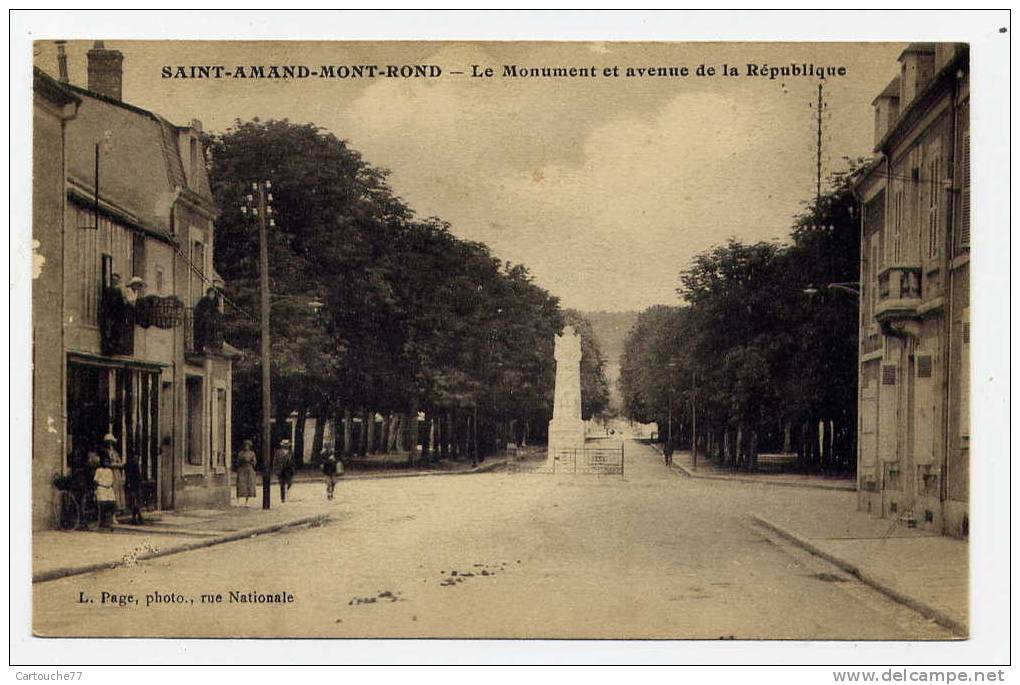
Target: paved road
[[653, 555]]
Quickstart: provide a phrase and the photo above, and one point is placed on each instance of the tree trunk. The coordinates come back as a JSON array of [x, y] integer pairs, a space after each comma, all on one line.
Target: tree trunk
[[453, 418], [411, 439], [441, 431], [299, 436], [426, 435], [363, 433], [384, 434], [391, 433], [281, 429], [752, 454], [370, 436], [347, 432], [320, 432]]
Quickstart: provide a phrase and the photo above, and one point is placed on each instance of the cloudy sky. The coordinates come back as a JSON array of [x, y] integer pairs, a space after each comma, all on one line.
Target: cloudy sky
[[604, 187]]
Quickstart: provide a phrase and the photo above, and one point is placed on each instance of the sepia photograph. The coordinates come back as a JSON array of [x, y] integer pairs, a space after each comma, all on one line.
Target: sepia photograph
[[501, 340]]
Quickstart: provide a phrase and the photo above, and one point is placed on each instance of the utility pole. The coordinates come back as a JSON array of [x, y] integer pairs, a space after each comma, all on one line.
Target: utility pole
[[694, 422], [260, 209], [820, 107]]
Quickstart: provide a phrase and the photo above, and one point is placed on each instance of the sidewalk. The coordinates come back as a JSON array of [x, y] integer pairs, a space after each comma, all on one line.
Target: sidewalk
[[376, 466], [683, 462], [925, 571], [58, 554]]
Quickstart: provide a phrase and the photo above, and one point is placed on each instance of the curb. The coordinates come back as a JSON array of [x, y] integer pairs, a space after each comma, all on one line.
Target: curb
[[759, 481], [766, 481], [316, 478], [929, 612], [66, 571]]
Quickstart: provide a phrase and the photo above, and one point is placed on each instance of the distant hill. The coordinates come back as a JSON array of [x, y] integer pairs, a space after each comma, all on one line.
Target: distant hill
[[611, 331]]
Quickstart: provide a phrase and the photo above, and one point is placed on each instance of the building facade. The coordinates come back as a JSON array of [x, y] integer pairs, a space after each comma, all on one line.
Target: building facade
[[53, 106], [134, 203], [914, 427]]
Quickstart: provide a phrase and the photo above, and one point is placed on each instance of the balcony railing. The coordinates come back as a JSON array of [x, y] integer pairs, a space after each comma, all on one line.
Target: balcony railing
[[899, 293], [870, 343], [207, 338]]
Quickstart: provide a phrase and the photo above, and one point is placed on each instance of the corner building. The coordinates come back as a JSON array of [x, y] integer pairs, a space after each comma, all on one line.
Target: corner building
[[131, 198], [914, 425]]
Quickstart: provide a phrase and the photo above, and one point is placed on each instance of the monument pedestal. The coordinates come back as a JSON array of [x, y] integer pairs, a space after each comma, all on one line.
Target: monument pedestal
[[565, 435]]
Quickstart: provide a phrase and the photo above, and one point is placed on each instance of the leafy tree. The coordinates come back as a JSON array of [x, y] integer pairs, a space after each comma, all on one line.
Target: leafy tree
[[765, 364], [412, 318]]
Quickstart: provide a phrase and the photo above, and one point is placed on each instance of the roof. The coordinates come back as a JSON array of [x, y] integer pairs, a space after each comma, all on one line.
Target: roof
[[922, 48], [892, 90], [914, 110], [141, 170], [52, 89]]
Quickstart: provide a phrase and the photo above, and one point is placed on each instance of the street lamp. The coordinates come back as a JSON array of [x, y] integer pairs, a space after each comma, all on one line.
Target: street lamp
[[849, 287], [669, 404]]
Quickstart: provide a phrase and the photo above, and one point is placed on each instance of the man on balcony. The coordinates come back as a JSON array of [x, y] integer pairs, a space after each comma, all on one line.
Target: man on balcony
[[208, 321]]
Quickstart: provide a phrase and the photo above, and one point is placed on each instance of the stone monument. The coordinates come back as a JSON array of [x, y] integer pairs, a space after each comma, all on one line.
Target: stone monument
[[566, 430]]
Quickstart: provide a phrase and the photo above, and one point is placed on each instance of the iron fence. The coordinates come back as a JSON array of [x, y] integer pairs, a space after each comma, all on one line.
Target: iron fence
[[587, 460]]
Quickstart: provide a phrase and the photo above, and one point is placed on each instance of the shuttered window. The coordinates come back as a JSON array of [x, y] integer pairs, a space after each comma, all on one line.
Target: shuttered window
[[889, 374], [964, 238], [924, 366], [964, 393]]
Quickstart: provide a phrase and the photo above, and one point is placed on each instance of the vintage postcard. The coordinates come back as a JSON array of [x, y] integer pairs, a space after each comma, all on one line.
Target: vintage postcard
[[531, 340]]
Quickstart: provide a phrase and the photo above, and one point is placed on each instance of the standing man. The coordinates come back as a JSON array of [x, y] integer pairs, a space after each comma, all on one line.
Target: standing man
[[667, 453], [283, 462], [208, 321]]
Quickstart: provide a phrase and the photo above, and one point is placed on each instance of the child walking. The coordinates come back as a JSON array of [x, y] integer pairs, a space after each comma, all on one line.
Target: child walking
[[105, 497], [330, 469]]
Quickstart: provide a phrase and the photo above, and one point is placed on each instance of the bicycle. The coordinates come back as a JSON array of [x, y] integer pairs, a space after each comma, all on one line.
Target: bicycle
[[78, 508]]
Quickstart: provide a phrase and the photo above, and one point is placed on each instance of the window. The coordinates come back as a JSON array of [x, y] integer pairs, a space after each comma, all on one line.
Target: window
[[194, 161], [888, 374], [963, 240], [160, 280], [894, 241], [965, 375], [220, 426], [138, 255], [195, 421], [934, 190], [197, 271], [99, 253]]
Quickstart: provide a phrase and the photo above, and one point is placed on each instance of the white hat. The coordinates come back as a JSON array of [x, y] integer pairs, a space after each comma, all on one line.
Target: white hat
[[109, 438], [136, 280], [285, 442]]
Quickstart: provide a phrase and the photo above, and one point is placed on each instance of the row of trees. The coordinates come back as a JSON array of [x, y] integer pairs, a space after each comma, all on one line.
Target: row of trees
[[412, 319], [760, 356]]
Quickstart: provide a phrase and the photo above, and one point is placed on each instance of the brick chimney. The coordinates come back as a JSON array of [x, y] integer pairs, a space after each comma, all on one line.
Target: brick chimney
[[105, 72]]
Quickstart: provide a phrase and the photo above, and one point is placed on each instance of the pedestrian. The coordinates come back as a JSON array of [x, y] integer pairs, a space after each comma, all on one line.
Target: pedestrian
[[116, 464], [246, 472], [667, 453], [283, 463], [105, 499], [331, 468], [133, 489]]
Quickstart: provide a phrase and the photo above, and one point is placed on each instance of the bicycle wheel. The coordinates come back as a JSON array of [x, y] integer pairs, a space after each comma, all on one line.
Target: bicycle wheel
[[70, 512], [90, 514]]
